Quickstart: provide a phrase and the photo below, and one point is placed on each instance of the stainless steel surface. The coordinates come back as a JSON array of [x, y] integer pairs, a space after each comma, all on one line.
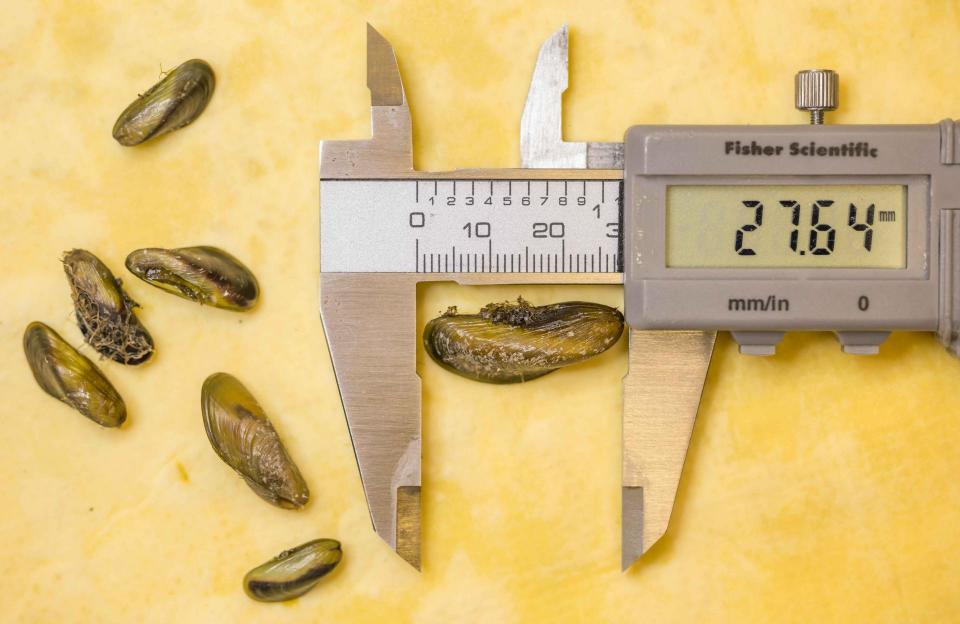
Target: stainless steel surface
[[369, 318], [661, 396], [604, 155], [469, 225], [541, 133], [389, 150], [816, 91]]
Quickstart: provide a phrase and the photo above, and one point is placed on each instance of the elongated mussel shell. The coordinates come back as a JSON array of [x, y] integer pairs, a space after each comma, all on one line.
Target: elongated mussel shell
[[244, 438], [207, 275], [105, 311], [515, 342], [172, 103], [66, 374], [293, 572]]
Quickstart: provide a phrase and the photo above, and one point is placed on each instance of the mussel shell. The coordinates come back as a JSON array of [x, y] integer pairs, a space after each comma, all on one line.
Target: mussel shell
[[207, 275], [242, 435], [510, 343], [293, 572], [172, 103], [66, 374], [105, 311]]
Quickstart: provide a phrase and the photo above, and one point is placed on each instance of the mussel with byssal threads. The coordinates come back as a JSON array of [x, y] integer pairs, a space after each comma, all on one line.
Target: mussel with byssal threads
[[207, 275], [69, 376], [516, 342], [104, 311], [172, 103], [293, 572], [244, 438]]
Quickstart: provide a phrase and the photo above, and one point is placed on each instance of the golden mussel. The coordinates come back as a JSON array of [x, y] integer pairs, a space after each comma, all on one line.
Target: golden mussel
[[172, 103], [293, 572], [66, 374], [515, 342], [207, 275], [245, 440], [105, 311]]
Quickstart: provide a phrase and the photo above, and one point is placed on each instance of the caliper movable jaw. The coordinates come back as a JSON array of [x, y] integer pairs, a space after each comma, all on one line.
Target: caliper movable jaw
[[370, 319], [541, 126]]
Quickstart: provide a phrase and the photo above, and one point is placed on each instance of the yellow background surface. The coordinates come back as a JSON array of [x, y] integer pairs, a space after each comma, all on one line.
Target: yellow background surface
[[819, 487]]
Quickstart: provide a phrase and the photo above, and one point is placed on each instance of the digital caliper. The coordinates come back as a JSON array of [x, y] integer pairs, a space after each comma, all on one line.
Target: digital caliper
[[757, 230]]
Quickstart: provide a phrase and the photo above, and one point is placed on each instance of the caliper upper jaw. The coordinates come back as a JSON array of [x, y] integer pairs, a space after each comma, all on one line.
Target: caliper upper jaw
[[541, 126], [389, 150], [367, 319]]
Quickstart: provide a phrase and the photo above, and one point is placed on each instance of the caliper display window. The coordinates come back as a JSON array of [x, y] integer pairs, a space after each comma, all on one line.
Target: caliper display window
[[787, 226]]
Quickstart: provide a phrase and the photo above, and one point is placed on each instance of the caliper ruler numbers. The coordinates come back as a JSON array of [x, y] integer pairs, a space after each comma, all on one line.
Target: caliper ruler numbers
[[475, 226], [756, 230]]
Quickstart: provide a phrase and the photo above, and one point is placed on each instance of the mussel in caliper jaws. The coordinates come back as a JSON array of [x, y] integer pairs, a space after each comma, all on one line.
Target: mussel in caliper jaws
[[244, 438], [207, 275], [516, 342]]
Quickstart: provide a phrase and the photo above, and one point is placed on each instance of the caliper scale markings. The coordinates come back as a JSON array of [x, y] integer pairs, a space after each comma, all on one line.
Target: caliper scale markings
[[547, 208], [472, 226]]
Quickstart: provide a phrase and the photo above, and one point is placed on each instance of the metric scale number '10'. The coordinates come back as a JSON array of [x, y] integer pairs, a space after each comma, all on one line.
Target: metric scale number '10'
[[757, 230]]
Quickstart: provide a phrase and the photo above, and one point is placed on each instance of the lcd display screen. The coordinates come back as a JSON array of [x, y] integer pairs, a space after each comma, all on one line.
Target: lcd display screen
[[787, 226]]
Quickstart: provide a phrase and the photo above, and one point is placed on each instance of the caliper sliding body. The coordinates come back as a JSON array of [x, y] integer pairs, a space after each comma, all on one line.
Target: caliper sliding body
[[753, 229]]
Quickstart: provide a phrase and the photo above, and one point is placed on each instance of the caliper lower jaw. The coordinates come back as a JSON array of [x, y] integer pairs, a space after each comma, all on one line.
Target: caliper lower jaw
[[541, 126], [374, 358], [661, 397], [375, 361]]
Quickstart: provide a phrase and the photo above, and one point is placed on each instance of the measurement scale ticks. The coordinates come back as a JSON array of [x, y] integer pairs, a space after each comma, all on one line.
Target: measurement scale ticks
[[479, 225]]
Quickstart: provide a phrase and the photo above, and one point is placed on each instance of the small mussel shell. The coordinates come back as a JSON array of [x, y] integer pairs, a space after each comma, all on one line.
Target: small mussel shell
[[244, 438], [105, 311], [515, 342], [66, 374], [293, 572], [170, 104], [207, 275]]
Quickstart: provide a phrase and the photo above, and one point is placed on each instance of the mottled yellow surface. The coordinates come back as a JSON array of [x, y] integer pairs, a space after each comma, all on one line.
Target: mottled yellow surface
[[819, 487]]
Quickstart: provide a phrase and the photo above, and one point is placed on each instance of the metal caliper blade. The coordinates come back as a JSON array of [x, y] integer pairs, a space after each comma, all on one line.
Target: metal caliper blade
[[661, 396], [541, 132], [389, 150], [378, 386]]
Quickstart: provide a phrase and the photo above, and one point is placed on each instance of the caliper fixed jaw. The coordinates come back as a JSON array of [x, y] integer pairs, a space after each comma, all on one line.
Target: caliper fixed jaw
[[389, 150], [376, 376], [541, 125]]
